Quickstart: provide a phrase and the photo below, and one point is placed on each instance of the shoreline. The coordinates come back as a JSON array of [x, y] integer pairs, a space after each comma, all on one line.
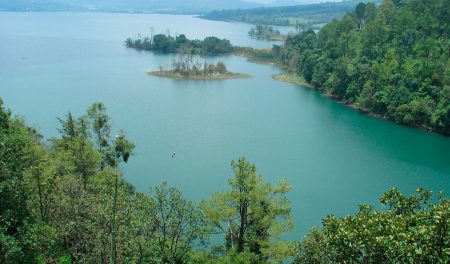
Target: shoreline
[[271, 38], [295, 79], [291, 78], [204, 77]]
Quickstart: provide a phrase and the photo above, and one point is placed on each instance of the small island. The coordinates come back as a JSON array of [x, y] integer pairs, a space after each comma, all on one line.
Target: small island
[[186, 68], [163, 43], [266, 32]]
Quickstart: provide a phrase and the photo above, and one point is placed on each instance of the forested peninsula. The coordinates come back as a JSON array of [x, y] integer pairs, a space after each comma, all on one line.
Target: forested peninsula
[[391, 60], [65, 201]]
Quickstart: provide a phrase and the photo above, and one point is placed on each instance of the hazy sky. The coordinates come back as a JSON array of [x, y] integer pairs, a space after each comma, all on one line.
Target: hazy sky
[[300, 1]]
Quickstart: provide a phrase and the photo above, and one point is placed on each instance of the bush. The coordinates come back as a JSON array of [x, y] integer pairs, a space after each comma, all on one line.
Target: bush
[[411, 230]]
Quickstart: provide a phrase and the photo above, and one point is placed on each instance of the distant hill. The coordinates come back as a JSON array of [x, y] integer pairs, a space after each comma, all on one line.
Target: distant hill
[[311, 15], [285, 3], [132, 6]]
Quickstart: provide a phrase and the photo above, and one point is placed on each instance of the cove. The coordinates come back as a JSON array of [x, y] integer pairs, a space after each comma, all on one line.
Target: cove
[[334, 157]]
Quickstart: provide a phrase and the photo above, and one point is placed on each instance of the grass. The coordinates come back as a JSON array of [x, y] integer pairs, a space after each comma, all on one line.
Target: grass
[[291, 78]]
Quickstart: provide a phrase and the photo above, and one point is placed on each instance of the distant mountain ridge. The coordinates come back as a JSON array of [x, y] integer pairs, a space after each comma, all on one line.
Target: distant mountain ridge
[[132, 6], [309, 15], [286, 3]]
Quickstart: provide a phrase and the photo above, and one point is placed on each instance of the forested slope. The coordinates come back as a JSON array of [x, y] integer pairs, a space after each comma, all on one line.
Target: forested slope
[[66, 201], [392, 60]]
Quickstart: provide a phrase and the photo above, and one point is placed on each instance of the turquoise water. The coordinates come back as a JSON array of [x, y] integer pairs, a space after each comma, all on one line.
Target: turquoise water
[[334, 157]]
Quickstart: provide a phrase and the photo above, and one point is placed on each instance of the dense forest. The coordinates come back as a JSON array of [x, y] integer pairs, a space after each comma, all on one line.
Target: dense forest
[[180, 44], [66, 201], [391, 60], [312, 15]]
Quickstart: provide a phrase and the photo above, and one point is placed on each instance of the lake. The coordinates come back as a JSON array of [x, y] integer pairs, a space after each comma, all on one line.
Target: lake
[[334, 157]]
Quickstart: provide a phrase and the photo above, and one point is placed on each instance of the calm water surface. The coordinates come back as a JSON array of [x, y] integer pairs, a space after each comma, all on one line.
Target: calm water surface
[[334, 157]]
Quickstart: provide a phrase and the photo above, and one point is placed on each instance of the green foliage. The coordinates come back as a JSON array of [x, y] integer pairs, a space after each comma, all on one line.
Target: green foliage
[[411, 230], [186, 66], [178, 225], [392, 60], [16, 159], [265, 32], [100, 128], [180, 44], [73, 151], [252, 216], [311, 248], [415, 113], [52, 207], [112, 151], [60, 204]]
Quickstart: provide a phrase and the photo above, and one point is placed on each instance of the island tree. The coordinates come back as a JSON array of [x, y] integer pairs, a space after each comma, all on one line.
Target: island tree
[[180, 44]]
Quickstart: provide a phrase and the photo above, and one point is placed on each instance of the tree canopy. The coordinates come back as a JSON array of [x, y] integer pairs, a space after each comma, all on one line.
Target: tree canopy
[[180, 44], [252, 215], [412, 230]]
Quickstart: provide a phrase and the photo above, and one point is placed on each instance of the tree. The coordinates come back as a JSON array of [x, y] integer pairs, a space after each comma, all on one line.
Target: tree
[[370, 12], [214, 45], [311, 248], [221, 68], [252, 32], [416, 113], [123, 149], [181, 39], [360, 11], [178, 225], [252, 215], [74, 150], [412, 230], [113, 151], [101, 129], [75, 155], [57, 202], [15, 160]]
